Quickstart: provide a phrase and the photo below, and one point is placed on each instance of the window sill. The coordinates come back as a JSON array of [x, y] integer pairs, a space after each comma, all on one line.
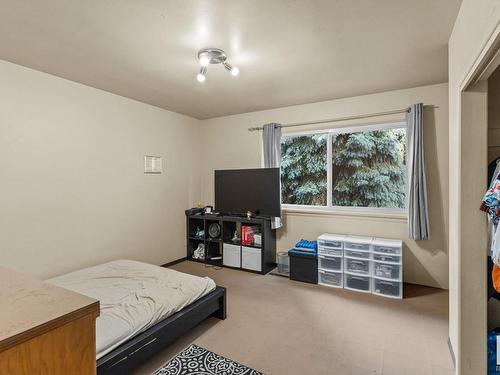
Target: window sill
[[393, 214]]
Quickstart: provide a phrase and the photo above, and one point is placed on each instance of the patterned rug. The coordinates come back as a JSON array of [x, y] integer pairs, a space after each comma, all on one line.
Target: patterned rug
[[197, 360]]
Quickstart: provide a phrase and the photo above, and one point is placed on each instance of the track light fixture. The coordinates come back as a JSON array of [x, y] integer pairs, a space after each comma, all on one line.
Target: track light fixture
[[208, 56]]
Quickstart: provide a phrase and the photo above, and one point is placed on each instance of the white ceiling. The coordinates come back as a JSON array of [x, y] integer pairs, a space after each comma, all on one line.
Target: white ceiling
[[289, 51]]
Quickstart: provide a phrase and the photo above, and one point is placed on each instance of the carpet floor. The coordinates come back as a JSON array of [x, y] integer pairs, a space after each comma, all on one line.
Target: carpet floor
[[283, 327]]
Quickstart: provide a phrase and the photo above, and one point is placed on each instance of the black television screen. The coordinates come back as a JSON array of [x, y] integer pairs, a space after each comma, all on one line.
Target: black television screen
[[240, 190]]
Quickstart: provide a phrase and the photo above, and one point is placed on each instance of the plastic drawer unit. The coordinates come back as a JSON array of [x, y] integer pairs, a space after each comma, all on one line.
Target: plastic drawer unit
[[361, 243], [357, 247], [387, 288], [329, 263], [387, 268], [388, 247], [361, 263], [331, 244], [387, 258], [357, 283], [357, 266], [331, 279]]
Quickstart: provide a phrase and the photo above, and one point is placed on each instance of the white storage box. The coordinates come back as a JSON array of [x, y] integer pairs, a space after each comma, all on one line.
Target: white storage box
[[332, 279], [257, 239], [386, 246], [357, 266], [387, 270], [251, 258], [387, 288], [358, 283], [231, 255], [329, 263]]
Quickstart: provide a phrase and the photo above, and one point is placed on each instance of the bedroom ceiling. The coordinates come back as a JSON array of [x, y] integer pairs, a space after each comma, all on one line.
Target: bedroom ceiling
[[288, 51]]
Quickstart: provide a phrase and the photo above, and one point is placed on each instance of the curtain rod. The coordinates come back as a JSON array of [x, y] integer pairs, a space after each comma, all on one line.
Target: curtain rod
[[356, 117]]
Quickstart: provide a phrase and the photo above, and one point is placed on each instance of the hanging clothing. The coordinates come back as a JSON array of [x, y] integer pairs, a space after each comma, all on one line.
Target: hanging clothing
[[491, 200], [490, 205], [492, 293], [493, 173], [495, 246], [495, 278]]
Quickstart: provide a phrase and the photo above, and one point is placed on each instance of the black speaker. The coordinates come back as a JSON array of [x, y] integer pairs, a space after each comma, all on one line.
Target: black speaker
[[214, 230]]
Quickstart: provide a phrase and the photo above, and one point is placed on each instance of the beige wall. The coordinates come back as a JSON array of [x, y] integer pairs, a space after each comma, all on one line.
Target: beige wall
[[228, 144], [476, 24], [72, 188]]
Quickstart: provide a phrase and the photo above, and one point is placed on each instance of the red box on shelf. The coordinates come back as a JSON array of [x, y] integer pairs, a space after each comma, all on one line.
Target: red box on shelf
[[247, 235]]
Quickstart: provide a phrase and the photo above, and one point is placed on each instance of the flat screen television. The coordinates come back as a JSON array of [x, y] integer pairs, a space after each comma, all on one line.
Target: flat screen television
[[240, 190]]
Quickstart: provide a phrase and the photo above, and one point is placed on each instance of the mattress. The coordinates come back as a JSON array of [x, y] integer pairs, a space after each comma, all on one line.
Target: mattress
[[133, 296]]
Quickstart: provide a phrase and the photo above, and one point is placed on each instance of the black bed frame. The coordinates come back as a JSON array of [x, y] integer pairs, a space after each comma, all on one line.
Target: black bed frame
[[139, 348]]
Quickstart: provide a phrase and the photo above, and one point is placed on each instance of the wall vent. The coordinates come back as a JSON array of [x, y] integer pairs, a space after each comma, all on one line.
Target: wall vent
[[152, 164]]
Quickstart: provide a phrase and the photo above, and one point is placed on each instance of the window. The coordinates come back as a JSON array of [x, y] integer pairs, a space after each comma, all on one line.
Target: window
[[356, 167]]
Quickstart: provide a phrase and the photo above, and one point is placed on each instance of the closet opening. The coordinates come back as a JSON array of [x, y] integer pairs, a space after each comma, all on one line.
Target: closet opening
[[493, 241]]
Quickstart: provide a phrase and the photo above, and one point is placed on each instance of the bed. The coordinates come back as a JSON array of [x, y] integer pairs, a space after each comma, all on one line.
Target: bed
[[143, 308]]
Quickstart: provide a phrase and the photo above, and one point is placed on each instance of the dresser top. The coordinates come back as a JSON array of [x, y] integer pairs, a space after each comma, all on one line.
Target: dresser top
[[31, 307]]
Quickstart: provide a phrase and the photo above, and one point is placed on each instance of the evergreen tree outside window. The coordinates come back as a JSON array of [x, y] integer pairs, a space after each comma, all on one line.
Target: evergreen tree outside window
[[363, 167], [304, 170]]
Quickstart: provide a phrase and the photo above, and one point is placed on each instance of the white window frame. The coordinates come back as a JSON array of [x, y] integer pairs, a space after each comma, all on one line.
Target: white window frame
[[344, 210]]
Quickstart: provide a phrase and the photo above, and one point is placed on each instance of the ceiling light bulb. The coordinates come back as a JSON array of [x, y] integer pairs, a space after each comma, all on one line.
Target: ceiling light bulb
[[200, 77], [204, 60], [235, 71]]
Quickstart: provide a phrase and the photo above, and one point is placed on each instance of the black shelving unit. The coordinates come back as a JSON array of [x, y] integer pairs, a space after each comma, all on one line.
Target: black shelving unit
[[229, 225]]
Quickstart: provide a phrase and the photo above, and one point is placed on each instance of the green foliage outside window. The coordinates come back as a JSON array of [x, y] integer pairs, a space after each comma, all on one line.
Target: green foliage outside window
[[303, 170], [368, 169]]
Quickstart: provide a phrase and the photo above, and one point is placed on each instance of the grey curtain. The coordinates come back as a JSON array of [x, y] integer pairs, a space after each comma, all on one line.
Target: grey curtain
[[271, 139], [418, 210]]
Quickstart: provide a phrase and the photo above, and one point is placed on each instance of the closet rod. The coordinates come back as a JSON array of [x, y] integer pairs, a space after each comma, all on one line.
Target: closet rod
[[356, 117]]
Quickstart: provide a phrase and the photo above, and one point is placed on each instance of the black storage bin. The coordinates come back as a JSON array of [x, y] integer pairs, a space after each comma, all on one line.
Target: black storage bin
[[303, 266]]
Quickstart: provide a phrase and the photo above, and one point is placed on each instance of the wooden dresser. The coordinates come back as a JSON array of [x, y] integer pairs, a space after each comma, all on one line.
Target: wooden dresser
[[45, 329]]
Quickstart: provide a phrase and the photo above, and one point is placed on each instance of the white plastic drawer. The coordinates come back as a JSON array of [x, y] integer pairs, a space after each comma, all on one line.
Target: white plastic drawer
[[387, 270], [251, 258], [386, 288], [387, 258], [381, 249], [364, 254], [333, 279], [359, 283], [356, 246], [357, 266], [329, 251], [332, 244], [231, 255], [330, 263]]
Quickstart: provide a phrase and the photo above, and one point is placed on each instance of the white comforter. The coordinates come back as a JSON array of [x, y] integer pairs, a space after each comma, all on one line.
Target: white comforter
[[133, 296]]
